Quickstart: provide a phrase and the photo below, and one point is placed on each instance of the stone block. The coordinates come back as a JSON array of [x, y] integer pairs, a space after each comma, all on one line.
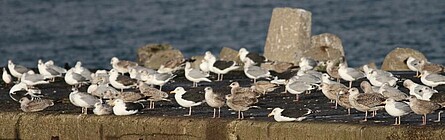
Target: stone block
[[154, 55], [289, 33], [394, 60]]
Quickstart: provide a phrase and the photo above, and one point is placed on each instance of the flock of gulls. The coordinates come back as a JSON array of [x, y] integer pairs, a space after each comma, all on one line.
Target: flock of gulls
[[128, 87]]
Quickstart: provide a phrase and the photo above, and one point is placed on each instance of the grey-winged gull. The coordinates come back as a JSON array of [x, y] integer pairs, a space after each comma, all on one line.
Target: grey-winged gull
[[432, 79], [122, 66], [420, 91], [214, 99], [392, 93], [82, 99], [255, 72], [6, 77], [31, 79], [49, 70], [121, 81], [187, 99], [82, 71], [195, 75], [397, 109], [16, 70], [349, 74], [413, 64], [307, 63], [156, 79], [75, 79]]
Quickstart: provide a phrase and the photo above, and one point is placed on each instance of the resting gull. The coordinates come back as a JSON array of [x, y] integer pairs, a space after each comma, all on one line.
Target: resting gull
[[74, 79], [263, 87], [171, 65], [121, 81], [349, 74], [218, 66], [365, 102], [102, 109], [279, 115], [195, 75], [392, 93], [422, 107], [420, 91], [31, 79], [126, 108], [27, 105], [16, 70], [82, 99], [432, 79], [255, 72], [253, 58], [122, 66], [49, 70], [6, 77]]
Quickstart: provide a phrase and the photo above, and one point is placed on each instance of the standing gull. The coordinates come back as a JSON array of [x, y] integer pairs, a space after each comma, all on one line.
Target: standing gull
[[365, 102], [27, 105], [349, 74], [82, 99], [413, 64], [187, 99], [122, 108], [16, 70], [433, 68], [49, 70], [432, 79], [122, 66], [171, 65], [332, 69], [195, 75], [121, 81], [240, 103], [343, 100], [420, 91], [84, 72], [156, 79], [6, 77], [298, 87], [263, 87], [392, 93], [422, 107], [255, 72], [218, 66], [253, 58], [153, 94], [278, 113], [32, 79], [397, 109], [214, 99], [74, 79]]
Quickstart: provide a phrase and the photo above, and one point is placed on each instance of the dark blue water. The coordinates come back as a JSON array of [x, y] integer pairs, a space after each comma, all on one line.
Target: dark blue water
[[95, 31]]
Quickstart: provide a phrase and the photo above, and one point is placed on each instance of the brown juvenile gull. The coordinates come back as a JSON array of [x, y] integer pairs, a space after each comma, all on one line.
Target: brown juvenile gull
[[121, 81], [349, 74], [247, 91], [16, 70], [397, 109], [365, 102], [27, 105], [129, 96], [83, 99], [122, 66], [187, 99], [368, 88], [240, 102], [422, 107], [263, 87], [438, 98], [332, 69], [215, 100], [280, 115], [154, 95], [433, 68], [392, 93], [432, 79], [343, 100], [171, 65], [331, 91]]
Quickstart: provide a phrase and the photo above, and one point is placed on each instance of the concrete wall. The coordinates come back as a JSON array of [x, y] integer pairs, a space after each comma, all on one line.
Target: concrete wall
[[67, 126]]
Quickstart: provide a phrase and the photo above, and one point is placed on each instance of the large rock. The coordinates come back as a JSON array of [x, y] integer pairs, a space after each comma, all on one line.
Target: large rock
[[154, 55], [394, 61], [289, 33], [324, 47], [229, 54]]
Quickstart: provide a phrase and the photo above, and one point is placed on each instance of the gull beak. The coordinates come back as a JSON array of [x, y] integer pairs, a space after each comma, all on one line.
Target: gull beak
[[172, 92], [269, 115]]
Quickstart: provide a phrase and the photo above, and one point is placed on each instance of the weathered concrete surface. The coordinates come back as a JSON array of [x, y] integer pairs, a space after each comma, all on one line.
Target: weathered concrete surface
[[68, 126], [394, 60], [328, 40], [324, 47], [154, 55], [289, 33]]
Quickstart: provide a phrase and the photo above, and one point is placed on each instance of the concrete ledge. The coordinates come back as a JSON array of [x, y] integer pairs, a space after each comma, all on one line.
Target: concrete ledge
[[66, 126]]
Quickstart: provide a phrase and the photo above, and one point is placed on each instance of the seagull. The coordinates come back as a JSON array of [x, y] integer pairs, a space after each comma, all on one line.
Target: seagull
[[396, 109], [171, 65], [215, 100], [27, 105], [253, 58], [365, 102], [82, 99], [343, 100], [263, 87], [368, 88], [123, 108], [240, 102], [32, 92], [332, 69], [331, 91], [349, 74], [16, 70], [378, 77], [195, 75], [413, 64], [246, 91], [218, 66], [432, 79], [392, 93], [422, 107], [84, 72], [433, 68], [129, 96], [121, 81], [6, 77], [187, 99], [156, 79], [122, 66], [153, 94], [420, 91], [75, 79], [102, 109], [49, 70], [277, 114], [298, 87], [16, 88], [32, 79], [255, 72], [100, 76], [307, 63]]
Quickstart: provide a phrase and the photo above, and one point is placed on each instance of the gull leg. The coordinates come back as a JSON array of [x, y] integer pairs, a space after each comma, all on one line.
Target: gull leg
[[214, 112], [239, 114], [350, 84], [366, 117], [190, 111], [160, 87], [424, 119], [219, 112], [438, 116], [336, 104], [349, 111], [242, 115], [400, 119], [222, 75], [395, 123]]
